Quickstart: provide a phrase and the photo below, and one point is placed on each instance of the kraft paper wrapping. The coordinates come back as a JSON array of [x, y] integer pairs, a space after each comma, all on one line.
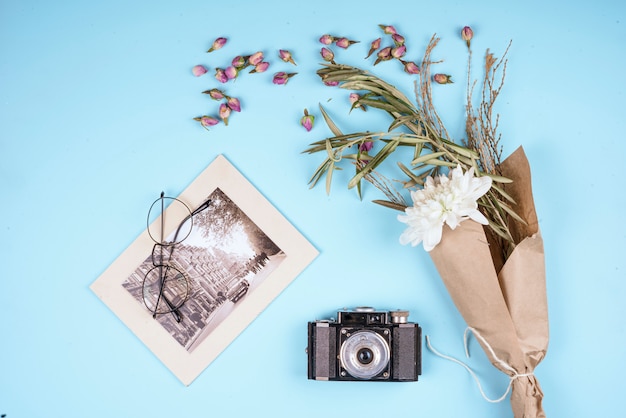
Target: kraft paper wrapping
[[508, 307]]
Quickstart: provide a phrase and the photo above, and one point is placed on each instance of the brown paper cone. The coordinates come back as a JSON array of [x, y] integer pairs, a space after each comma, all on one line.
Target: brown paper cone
[[508, 308]]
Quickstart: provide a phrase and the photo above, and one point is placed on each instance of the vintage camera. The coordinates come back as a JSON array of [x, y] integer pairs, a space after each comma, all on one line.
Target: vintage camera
[[367, 345]]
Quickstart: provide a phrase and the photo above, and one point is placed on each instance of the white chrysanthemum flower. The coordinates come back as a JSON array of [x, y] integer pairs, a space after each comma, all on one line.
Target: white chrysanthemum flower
[[444, 200]]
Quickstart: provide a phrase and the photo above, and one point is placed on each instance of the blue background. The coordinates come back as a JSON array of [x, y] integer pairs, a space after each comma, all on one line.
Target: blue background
[[96, 108]]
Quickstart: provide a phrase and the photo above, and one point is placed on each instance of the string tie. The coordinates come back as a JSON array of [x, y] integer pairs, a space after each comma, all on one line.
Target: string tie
[[513, 374]]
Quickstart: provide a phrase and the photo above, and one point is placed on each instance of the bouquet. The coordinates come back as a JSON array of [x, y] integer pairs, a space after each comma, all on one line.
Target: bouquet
[[472, 210]]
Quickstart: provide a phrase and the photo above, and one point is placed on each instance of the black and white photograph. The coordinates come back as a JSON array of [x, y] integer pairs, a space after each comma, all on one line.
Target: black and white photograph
[[223, 257]]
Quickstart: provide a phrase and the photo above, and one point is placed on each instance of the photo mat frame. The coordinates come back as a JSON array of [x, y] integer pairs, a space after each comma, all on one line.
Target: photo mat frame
[[116, 286]]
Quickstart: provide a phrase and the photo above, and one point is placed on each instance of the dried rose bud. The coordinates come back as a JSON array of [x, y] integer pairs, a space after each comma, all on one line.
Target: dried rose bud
[[389, 30], [411, 67], [374, 46], [260, 67], [328, 55], [327, 39], [255, 58], [281, 78], [467, 34], [198, 70], [307, 121], [231, 72], [397, 39], [366, 146], [217, 44], [207, 121], [383, 55], [216, 94], [354, 100], [442, 78], [331, 83], [344, 43], [286, 56], [220, 75], [238, 62], [398, 52], [224, 113], [234, 104]]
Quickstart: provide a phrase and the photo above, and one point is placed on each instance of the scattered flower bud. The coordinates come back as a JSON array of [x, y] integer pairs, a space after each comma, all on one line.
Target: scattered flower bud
[[307, 121], [217, 44], [239, 62], [231, 72], [234, 104], [375, 45], [411, 67], [389, 30], [467, 33], [442, 78], [397, 39], [344, 43], [260, 67], [333, 83], [328, 55], [220, 75], [198, 70], [216, 94], [224, 113], [327, 39], [286, 56], [383, 55], [354, 99], [207, 121], [255, 58], [398, 52], [282, 77]]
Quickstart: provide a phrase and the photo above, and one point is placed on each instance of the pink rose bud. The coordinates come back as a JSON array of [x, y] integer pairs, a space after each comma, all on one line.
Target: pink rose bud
[[442, 78], [286, 56], [331, 83], [217, 44], [220, 75], [216, 94], [238, 62], [389, 30], [344, 43], [234, 104], [256, 58], [207, 121], [224, 113], [282, 77], [397, 39], [327, 39], [366, 146], [383, 55], [354, 99], [307, 121], [398, 52], [411, 67], [467, 34], [231, 72], [198, 70], [328, 55], [375, 45], [260, 67]]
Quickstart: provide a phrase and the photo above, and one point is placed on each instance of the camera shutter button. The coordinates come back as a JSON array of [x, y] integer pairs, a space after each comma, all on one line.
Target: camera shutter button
[[399, 317]]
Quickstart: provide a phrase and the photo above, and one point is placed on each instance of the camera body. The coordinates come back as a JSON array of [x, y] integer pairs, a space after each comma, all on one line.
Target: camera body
[[365, 344]]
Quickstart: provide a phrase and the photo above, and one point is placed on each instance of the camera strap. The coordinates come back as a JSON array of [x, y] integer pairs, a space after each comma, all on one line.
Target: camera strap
[[514, 374]]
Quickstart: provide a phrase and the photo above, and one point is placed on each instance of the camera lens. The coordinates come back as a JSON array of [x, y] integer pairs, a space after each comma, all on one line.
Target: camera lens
[[364, 354]]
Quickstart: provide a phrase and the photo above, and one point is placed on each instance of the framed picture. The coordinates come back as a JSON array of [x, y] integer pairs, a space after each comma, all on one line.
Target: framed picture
[[205, 267]]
